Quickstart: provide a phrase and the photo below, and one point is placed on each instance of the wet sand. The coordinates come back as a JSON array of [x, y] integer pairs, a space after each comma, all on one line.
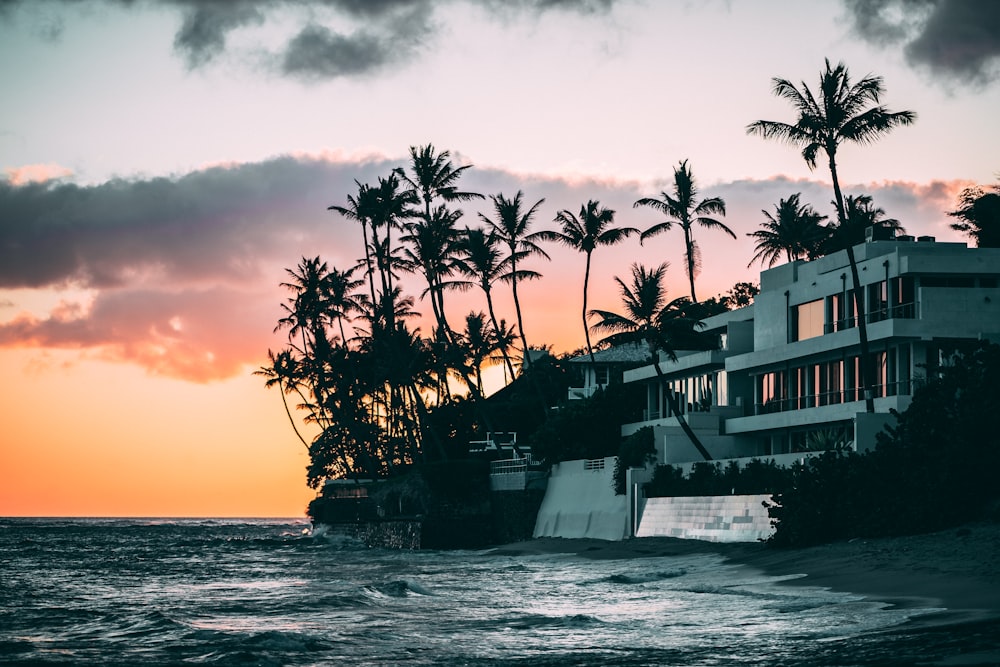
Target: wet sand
[[957, 569]]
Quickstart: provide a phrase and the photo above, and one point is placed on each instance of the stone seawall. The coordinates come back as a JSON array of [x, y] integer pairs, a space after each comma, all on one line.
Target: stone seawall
[[402, 535], [511, 518]]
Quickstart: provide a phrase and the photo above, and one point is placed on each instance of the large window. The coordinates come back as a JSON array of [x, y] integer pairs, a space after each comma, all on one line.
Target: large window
[[808, 320], [772, 389]]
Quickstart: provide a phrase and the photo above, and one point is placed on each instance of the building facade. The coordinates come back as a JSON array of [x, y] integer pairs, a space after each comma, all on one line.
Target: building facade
[[786, 379]]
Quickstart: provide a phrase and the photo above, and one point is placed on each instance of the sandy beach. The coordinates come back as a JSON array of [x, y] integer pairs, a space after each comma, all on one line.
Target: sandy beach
[[957, 569]]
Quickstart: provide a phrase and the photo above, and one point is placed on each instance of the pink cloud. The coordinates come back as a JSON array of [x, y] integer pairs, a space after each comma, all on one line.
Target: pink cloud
[[36, 173]]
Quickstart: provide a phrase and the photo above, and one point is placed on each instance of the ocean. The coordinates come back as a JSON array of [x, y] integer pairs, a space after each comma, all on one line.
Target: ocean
[[269, 592]]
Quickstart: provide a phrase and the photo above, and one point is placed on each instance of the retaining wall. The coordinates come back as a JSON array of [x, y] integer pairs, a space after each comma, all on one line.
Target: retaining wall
[[711, 518], [581, 502]]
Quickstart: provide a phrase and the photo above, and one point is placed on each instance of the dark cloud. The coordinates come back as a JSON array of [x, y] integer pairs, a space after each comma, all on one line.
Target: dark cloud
[[217, 224], [319, 53], [202, 35], [384, 32], [955, 40]]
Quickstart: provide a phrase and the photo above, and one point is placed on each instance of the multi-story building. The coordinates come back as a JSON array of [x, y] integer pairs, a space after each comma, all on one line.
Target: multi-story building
[[786, 378]]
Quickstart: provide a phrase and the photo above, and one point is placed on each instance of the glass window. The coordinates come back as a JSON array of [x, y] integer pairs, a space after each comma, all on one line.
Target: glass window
[[809, 320]]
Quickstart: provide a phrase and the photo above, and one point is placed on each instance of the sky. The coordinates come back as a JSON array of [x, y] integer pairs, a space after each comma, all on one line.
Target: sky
[[163, 162]]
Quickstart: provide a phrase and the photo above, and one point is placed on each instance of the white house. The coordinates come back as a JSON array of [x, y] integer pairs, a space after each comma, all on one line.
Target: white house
[[786, 378]]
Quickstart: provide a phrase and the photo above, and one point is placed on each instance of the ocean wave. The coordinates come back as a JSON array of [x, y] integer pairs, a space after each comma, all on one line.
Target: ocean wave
[[542, 621], [397, 588], [644, 577]]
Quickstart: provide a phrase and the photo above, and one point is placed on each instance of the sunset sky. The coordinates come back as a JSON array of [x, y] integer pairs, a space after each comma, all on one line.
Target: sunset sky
[[163, 161]]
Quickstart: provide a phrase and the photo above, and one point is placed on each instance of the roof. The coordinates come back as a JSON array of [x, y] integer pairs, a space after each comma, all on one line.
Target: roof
[[628, 353]]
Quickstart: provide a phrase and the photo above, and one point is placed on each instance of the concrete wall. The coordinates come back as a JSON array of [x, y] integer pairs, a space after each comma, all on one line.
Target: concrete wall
[[581, 502], [710, 518]]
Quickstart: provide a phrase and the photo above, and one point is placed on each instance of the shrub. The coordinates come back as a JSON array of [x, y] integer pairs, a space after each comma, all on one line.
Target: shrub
[[635, 451]]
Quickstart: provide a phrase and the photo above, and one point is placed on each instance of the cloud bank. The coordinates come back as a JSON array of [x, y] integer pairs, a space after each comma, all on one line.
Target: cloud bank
[[335, 38], [955, 40], [182, 273]]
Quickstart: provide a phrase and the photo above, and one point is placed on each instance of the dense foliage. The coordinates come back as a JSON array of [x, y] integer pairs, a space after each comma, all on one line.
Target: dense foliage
[[636, 451], [712, 479], [588, 428]]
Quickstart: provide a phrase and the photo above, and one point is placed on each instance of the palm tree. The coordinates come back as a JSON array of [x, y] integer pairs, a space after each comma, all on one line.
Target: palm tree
[[480, 259], [794, 230], [861, 214], [432, 246], [282, 371], [511, 227], [593, 228], [432, 176], [979, 215], [650, 319], [343, 300], [359, 209], [843, 112], [681, 208]]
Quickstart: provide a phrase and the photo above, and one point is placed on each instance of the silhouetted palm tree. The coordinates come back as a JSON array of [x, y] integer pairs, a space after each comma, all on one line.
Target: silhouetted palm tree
[[861, 214], [432, 175], [651, 319], [593, 228], [511, 225], [343, 301], [480, 259], [432, 244], [979, 213], [681, 208], [282, 370], [843, 112], [794, 230], [359, 209]]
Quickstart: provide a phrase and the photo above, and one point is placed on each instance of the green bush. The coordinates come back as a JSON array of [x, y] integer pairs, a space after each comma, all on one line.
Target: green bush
[[635, 451]]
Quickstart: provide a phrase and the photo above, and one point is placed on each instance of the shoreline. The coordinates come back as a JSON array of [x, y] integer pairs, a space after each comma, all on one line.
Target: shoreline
[[956, 569]]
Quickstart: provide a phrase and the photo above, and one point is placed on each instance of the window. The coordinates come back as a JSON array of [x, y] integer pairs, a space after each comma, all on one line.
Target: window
[[600, 375], [772, 388], [878, 301], [808, 319]]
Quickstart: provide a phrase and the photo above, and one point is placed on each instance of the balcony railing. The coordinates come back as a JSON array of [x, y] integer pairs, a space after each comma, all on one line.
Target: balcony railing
[[830, 398], [904, 311]]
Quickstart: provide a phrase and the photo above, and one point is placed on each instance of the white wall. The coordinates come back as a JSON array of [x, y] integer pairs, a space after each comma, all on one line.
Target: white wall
[[582, 503], [711, 518]]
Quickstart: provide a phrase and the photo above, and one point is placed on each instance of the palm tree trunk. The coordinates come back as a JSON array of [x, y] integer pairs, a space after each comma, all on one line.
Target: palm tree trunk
[[689, 245], [675, 408], [496, 327], [525, 361], [586, 330], [291, 419], [866, 360]]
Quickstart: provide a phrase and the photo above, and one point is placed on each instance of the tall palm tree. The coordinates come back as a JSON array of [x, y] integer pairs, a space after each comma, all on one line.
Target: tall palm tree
[[480, 259], [683, 209], [794, 230], [359, 209], [593, 228], [861, 213], [843, 112], [979, 216], [343, 300], [282, 371], [511, 225], [432, 244], [649, 318], [432, 175]]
